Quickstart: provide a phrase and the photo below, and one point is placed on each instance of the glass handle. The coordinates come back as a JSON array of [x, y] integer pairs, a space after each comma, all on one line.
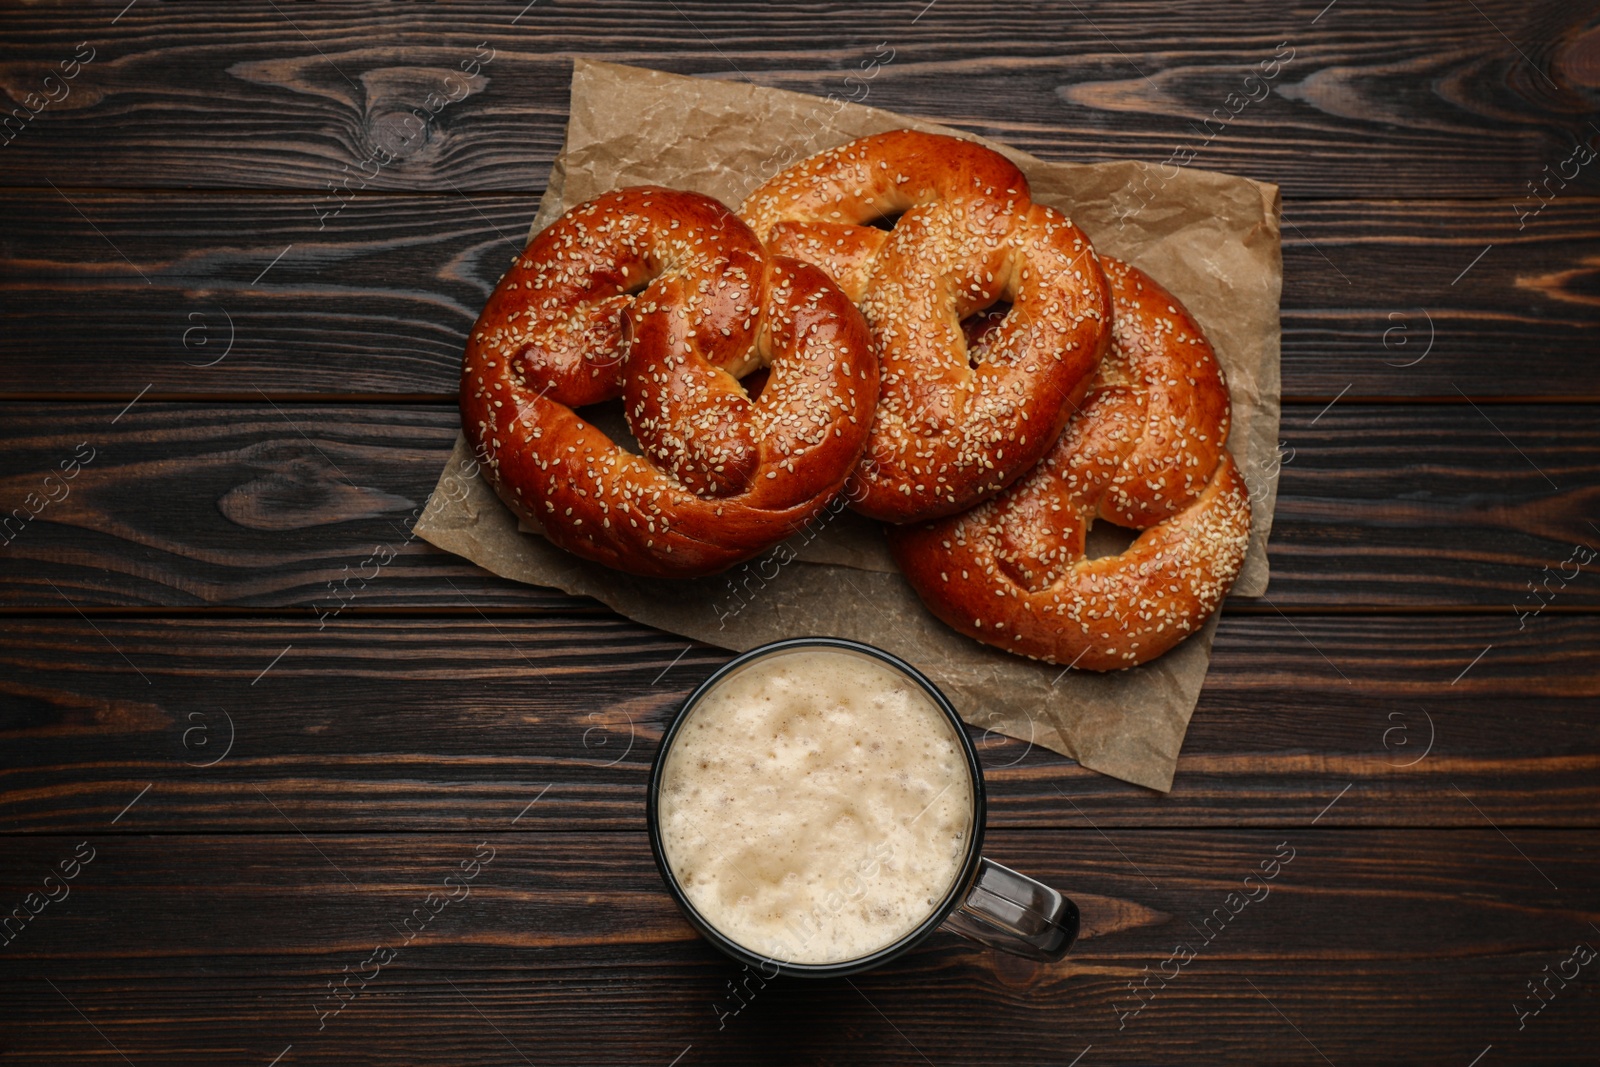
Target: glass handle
[[1014, 913]]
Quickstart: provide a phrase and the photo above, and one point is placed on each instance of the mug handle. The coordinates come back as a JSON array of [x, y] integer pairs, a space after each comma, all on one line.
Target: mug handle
[[1015, 914]]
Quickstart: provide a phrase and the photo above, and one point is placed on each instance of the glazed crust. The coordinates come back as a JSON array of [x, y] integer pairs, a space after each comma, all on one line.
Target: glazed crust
[[1146, 450], [955, 423], [665, 299]]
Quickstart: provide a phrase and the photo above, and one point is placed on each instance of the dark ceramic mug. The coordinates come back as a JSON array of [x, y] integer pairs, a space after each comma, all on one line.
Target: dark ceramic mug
[[987, 902]]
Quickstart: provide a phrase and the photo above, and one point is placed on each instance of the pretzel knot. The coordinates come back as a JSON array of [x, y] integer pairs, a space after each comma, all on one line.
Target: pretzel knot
[[665, 299], [955, 422], [1145, 450]]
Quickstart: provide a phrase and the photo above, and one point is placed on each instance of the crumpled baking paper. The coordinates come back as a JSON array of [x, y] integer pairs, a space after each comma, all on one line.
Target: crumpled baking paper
[[1212, 239]]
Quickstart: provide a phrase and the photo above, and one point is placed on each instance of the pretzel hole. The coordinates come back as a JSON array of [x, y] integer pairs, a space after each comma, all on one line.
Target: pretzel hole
[[754, 382], [608, 417], [884, 222], [979, 327], [1107, 539]]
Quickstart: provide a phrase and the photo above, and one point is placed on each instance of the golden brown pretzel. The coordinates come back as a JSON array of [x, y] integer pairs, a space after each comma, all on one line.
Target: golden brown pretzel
[[954, 424], [665, 298], [1145, 450]]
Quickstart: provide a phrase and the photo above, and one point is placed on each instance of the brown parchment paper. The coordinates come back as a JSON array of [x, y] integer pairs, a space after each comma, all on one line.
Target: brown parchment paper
[[1210, 238]]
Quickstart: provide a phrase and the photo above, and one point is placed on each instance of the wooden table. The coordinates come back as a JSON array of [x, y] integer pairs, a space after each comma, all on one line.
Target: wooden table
[[225, 398]]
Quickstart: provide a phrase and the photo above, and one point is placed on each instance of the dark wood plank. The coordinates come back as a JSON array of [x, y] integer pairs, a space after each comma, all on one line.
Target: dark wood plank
[[266, 505], [378, 301], [1439, 101], [447, 724], [568, 950], [1390, 299]]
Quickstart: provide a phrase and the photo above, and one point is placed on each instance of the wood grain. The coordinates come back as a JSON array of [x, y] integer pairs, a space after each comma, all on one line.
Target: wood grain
[[405, 725], [1438, 101], [568, 950], [224, 294], [266, 505]]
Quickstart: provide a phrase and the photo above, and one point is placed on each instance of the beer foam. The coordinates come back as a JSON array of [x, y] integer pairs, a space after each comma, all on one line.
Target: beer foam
[[816, 806]]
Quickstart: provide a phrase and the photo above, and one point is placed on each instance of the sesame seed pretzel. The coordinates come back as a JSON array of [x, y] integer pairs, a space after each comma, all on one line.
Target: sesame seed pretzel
[[1145, 450], [955, 422], [665, 298]]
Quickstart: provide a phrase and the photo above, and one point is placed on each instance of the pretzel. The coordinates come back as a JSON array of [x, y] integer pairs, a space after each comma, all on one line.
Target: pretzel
[[955, 423], [666, 299], [1145, 450]]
